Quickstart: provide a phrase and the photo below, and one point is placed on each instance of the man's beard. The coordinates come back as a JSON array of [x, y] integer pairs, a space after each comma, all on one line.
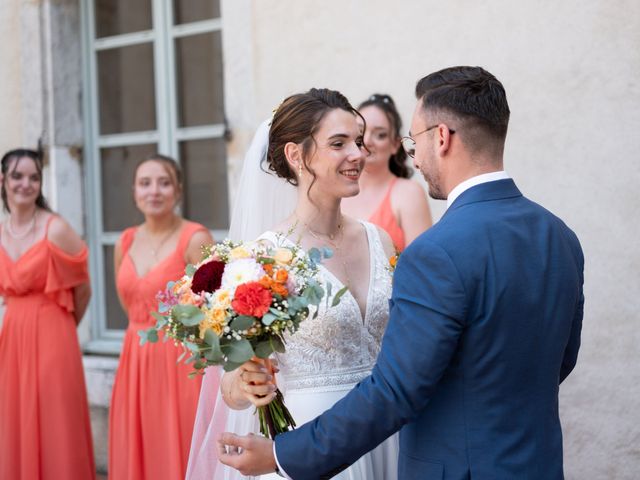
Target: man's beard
[[435, 186]]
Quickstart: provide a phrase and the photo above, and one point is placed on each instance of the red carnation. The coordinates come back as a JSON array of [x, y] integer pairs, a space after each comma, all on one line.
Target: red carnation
[[252, 299], [208, 277]]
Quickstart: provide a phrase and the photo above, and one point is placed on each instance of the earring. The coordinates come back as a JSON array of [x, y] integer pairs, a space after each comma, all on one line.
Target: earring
[[299, 169]]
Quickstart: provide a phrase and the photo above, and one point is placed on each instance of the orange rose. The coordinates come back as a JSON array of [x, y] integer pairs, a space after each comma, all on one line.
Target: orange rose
[[268, 267], [279, 289], [281, 276]]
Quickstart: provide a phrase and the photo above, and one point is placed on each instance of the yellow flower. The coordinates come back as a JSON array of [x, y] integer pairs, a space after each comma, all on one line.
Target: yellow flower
[[214, 319], [239, 253], [283, 256], [222, 298]]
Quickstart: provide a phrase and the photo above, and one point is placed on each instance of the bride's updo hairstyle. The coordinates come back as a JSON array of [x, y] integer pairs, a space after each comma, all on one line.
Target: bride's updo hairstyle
[[297, 120]]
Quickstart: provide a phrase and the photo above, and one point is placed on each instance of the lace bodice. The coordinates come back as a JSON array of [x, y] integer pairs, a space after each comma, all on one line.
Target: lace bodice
[[339, 347]]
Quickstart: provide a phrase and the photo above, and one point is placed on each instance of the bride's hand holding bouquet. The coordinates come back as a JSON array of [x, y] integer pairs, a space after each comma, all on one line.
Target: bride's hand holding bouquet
[[233, 309]]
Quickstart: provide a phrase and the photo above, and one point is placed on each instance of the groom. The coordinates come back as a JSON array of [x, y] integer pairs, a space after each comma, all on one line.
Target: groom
[[484, 324]]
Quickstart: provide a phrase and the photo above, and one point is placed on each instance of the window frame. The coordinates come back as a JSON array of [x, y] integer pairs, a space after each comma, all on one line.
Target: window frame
[[167, 136]]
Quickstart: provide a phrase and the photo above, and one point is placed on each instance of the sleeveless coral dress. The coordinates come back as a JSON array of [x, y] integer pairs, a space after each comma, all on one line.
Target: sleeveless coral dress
[[385, 219], [154, 403], [45, 430]]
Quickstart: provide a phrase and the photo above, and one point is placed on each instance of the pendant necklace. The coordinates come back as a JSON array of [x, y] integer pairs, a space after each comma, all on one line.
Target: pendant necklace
[[156, 249], [335, 240]]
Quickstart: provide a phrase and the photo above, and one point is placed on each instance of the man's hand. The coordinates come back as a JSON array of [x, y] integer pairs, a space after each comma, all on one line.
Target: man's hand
[[250, 455]]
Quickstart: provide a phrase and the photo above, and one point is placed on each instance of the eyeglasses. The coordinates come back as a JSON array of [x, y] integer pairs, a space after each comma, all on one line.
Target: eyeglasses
[[409, 144]]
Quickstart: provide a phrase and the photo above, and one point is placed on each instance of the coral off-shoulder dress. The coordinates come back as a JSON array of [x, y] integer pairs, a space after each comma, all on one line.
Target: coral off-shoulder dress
[[154, 402], [45, 430]]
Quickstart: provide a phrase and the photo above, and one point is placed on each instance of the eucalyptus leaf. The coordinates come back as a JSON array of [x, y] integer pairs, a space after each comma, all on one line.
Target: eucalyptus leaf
[[188, 315], [231, 366], [264, 349], [296, 303], [164, 307], [193, 347], [190, 270], [239, 351], [242, 322], [200, 364], [276, 312], [327, 252], [211, 339], [313, 293], [268, 318], [338, 296], [150, 335], [277, 344], [315, 255], [181, 357], [214, 355], [161, 320]]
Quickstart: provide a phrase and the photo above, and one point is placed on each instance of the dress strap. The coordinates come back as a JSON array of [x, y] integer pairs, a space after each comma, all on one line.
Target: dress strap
[[126, 239], [384, 207], [188, 230], [386, 201], [46, 227], [375, 242]]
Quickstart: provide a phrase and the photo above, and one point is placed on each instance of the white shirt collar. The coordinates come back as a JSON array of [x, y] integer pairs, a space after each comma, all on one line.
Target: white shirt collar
[[472, 182]]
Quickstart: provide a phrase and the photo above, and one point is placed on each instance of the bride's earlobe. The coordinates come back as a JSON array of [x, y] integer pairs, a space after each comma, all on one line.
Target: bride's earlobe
[[294, 157]]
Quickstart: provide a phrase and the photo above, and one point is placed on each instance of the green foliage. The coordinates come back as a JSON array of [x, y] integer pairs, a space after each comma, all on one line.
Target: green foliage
[[188, 315], [150, 335], [195, 349], [267, 347], [338, 296], [327, 252], [239, 351], [296, 304], [242, 322], [161, 320], [313, 293], [268, 318], [315, 255], [214, 354], [190, 270], [231, 366]]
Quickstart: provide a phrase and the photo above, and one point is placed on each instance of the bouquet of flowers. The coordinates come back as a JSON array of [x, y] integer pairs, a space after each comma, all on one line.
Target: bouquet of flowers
[[236, 304]]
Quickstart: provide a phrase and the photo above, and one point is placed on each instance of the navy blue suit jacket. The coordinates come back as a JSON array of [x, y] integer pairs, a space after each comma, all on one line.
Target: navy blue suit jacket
[[485, 323]]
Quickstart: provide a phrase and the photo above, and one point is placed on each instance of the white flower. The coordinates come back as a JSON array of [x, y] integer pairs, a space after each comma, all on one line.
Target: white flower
[[241, 271]]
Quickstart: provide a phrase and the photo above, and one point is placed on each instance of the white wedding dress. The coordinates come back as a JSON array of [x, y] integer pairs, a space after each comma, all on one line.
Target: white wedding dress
[[325, 358]]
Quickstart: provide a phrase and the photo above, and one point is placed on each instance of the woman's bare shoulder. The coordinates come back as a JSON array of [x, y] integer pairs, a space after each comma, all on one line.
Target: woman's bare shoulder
[[62, 235]]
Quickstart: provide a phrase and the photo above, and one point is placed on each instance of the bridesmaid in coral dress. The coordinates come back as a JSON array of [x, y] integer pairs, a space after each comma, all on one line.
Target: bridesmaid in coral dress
[[44, 416], [388, 198], [154, 401]]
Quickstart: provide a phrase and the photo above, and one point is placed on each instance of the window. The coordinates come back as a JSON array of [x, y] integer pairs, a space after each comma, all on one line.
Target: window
[[153, 83]]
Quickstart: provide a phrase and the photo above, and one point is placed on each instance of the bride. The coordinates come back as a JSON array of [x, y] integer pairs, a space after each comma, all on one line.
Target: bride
[[315, 144]]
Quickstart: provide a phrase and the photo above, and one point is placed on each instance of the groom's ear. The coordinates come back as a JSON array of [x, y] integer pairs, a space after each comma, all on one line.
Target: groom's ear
[[293, 154]]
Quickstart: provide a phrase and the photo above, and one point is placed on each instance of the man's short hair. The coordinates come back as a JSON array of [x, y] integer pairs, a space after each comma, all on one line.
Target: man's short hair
[[472, 95]]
